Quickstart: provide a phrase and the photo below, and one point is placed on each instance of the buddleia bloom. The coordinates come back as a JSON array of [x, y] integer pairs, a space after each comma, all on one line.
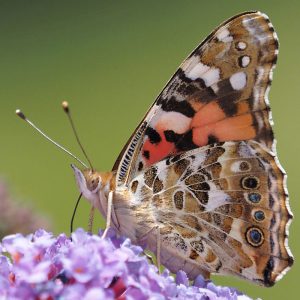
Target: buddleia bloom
[[83, 266]]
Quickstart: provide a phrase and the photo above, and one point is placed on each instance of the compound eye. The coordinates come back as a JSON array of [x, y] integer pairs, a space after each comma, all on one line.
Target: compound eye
[[93, 184]]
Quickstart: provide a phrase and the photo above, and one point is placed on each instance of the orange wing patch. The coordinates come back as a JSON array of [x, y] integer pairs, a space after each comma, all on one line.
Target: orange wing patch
[[210, 123], [230, 129]]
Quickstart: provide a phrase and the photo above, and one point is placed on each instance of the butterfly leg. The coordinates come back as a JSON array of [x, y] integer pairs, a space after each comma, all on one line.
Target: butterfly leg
[[158, 248], [108, 216], [91, 220], [149, 257], [142, 241]]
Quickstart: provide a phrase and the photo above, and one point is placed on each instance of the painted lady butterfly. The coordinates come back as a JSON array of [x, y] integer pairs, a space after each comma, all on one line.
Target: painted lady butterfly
[[199, 182]]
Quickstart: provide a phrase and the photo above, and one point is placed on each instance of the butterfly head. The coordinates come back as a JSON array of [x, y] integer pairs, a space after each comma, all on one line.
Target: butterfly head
[[88, 181]]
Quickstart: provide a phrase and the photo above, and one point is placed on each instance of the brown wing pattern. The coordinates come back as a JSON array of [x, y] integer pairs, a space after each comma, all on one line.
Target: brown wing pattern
[[219, 93], [221, 208]]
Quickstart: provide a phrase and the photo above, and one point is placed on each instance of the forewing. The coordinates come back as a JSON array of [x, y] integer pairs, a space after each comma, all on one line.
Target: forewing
[[222, 208], [219, 93]]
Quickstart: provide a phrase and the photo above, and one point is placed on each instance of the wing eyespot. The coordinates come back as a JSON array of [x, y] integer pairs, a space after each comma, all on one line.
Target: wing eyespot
[[259, 215], [250, 182], [254, 197], [254, 236]]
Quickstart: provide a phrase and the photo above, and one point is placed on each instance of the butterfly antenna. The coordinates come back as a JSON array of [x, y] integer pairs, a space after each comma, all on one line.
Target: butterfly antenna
[[66, 109], [23, 117]]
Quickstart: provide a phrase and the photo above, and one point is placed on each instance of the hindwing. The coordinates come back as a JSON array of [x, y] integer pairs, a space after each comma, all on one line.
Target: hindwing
[[221, 208]]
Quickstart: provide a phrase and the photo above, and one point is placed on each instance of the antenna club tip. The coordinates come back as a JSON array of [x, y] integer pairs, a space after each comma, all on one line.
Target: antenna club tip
[[20, 114], [65, 106]]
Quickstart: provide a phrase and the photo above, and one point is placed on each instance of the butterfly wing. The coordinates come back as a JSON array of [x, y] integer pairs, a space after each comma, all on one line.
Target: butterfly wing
[[219, 93], [222, 208]]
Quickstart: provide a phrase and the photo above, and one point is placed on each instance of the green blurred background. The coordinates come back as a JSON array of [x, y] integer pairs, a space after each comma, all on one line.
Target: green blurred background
[[110, 59]]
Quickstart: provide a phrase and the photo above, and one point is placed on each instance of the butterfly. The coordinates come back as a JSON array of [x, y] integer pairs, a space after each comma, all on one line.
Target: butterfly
[[199, 183]]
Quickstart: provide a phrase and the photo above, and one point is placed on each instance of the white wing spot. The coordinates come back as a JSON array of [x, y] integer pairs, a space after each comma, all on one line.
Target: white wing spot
[[238, 80], [224, 36], [211, 76], [166, 120], [193, 69], [245, 61], [241, 46], [215, 87], [196, 71], [217, 198]]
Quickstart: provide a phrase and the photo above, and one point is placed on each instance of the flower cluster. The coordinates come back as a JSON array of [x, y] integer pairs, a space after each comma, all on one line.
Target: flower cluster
[[16, 216], [41, 266]]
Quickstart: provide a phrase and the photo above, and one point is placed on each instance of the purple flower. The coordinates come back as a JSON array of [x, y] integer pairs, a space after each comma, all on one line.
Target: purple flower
[[41, 266]]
